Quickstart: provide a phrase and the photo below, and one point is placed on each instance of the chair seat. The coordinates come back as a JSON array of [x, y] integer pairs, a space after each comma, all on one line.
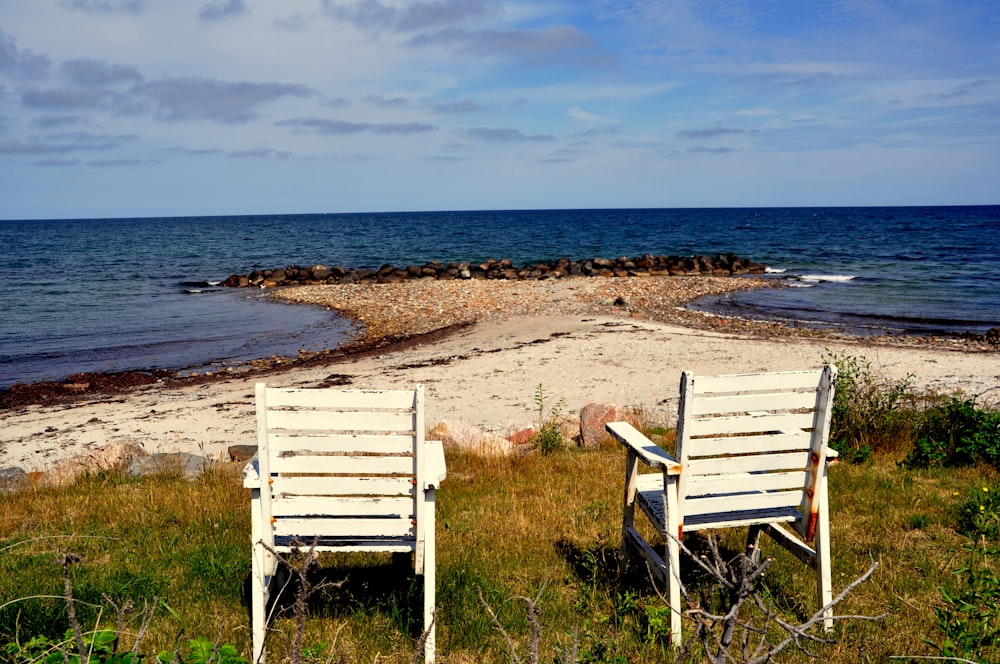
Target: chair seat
[[649, 496]]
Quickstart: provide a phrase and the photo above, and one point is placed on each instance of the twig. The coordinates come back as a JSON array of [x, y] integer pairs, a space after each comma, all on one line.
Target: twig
[[496, 621], [66, 560], [48, 537], [418, 650], [935, 657]]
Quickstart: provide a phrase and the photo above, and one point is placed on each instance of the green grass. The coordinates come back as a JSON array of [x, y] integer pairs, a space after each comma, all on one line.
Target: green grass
[[507, 527]]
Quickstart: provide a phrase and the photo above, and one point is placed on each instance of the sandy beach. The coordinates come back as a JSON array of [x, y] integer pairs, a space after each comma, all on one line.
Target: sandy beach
[[620, 341]]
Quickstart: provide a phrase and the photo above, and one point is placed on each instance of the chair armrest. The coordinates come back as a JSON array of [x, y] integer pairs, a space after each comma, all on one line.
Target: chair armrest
[[648, 452], [434, 466], [251, 474]]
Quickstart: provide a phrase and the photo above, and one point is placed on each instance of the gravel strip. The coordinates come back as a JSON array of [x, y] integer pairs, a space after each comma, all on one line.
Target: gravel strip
[[385, 313]]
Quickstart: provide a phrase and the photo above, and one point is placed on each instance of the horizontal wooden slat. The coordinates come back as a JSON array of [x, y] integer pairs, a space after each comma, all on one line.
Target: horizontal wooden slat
[[347, 545], [708, 426], [750, 501], [345, 486], [782, 380], [782, 442], [342, 443], [747, 518], [343, 506], [345, 465], [748, 464], [747, 403], [316, 420], [720, 485], [352, 399], [305, 529]]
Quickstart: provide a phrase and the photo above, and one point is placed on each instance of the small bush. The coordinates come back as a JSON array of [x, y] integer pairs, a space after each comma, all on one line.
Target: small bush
[[970, 617], [871, 414], [979, 513], [549, 437], [957, 433]]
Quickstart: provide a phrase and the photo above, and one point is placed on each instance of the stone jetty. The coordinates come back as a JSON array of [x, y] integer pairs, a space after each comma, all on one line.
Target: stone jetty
[[641, 266]]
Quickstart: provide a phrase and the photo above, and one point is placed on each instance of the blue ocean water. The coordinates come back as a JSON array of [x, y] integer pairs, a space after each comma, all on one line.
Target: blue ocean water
[[119, 294]]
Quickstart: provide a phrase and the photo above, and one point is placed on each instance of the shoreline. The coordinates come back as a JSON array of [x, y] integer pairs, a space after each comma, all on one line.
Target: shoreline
[[396, 316], [481, 351]]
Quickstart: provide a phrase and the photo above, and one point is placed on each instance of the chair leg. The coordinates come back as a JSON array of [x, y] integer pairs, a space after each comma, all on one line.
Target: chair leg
[[259, 578], [430, 578], [672, 530], [824, 575], [753, 544]]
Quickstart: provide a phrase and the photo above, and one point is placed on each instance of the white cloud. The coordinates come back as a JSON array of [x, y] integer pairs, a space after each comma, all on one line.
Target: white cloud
[[585, 117]]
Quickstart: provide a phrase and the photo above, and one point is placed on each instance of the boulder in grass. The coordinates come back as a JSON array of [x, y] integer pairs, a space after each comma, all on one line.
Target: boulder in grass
[[169, 463], [12, 479], [593, 417], [241, 453], [108, 457], [523, 436], [470, 438]]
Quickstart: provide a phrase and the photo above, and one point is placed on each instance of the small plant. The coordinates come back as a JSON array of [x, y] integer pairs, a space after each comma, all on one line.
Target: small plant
[[970, 617], [202, 651], [101, 645], [979, 513], [549, 437]]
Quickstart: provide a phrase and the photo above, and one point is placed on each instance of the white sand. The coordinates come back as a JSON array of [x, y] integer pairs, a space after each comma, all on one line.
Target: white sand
[[485, 375]]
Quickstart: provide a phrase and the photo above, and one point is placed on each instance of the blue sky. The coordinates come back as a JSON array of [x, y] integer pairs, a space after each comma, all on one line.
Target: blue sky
[[191, 107]]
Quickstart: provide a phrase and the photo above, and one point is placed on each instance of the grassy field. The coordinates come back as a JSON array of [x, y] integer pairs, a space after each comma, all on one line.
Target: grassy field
[[543, 527]]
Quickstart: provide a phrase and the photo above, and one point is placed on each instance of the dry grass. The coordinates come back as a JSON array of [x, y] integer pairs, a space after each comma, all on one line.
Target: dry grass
[[506, 526]]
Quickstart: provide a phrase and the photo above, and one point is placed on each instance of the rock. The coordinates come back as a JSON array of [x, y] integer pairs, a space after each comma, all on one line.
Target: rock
[[164, 463], [242, 453], [593, 417], [108, 457], [523, 436], [993, 336], [12, 478], [467, 437], [621, 267]]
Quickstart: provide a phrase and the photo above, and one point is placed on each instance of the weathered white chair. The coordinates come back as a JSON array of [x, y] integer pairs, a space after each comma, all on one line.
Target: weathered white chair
[[341, 470], [751, 451]]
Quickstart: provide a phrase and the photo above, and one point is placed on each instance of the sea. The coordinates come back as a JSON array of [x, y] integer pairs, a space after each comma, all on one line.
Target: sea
[[108, 295]]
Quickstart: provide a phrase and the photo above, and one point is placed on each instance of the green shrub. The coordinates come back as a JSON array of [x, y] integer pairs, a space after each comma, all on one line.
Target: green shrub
[[979, 513], [957, 433], [970, 617], [871, 414], [549, 437]]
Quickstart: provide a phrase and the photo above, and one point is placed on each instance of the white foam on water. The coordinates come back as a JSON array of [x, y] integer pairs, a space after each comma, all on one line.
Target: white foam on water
[[839, 278]]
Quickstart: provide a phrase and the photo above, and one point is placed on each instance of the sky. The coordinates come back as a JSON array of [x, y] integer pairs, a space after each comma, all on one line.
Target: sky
[[144, 108]]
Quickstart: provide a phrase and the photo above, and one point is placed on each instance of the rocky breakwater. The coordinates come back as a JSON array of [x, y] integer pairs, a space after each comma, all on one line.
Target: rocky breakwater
[[640, 266]]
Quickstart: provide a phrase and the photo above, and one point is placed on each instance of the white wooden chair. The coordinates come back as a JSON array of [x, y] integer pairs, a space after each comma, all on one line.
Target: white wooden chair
[[751, 451], [342, 470]]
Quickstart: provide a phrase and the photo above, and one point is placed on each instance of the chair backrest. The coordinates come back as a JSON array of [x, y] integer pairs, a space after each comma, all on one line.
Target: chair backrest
[[752, 447], [341, 469]]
